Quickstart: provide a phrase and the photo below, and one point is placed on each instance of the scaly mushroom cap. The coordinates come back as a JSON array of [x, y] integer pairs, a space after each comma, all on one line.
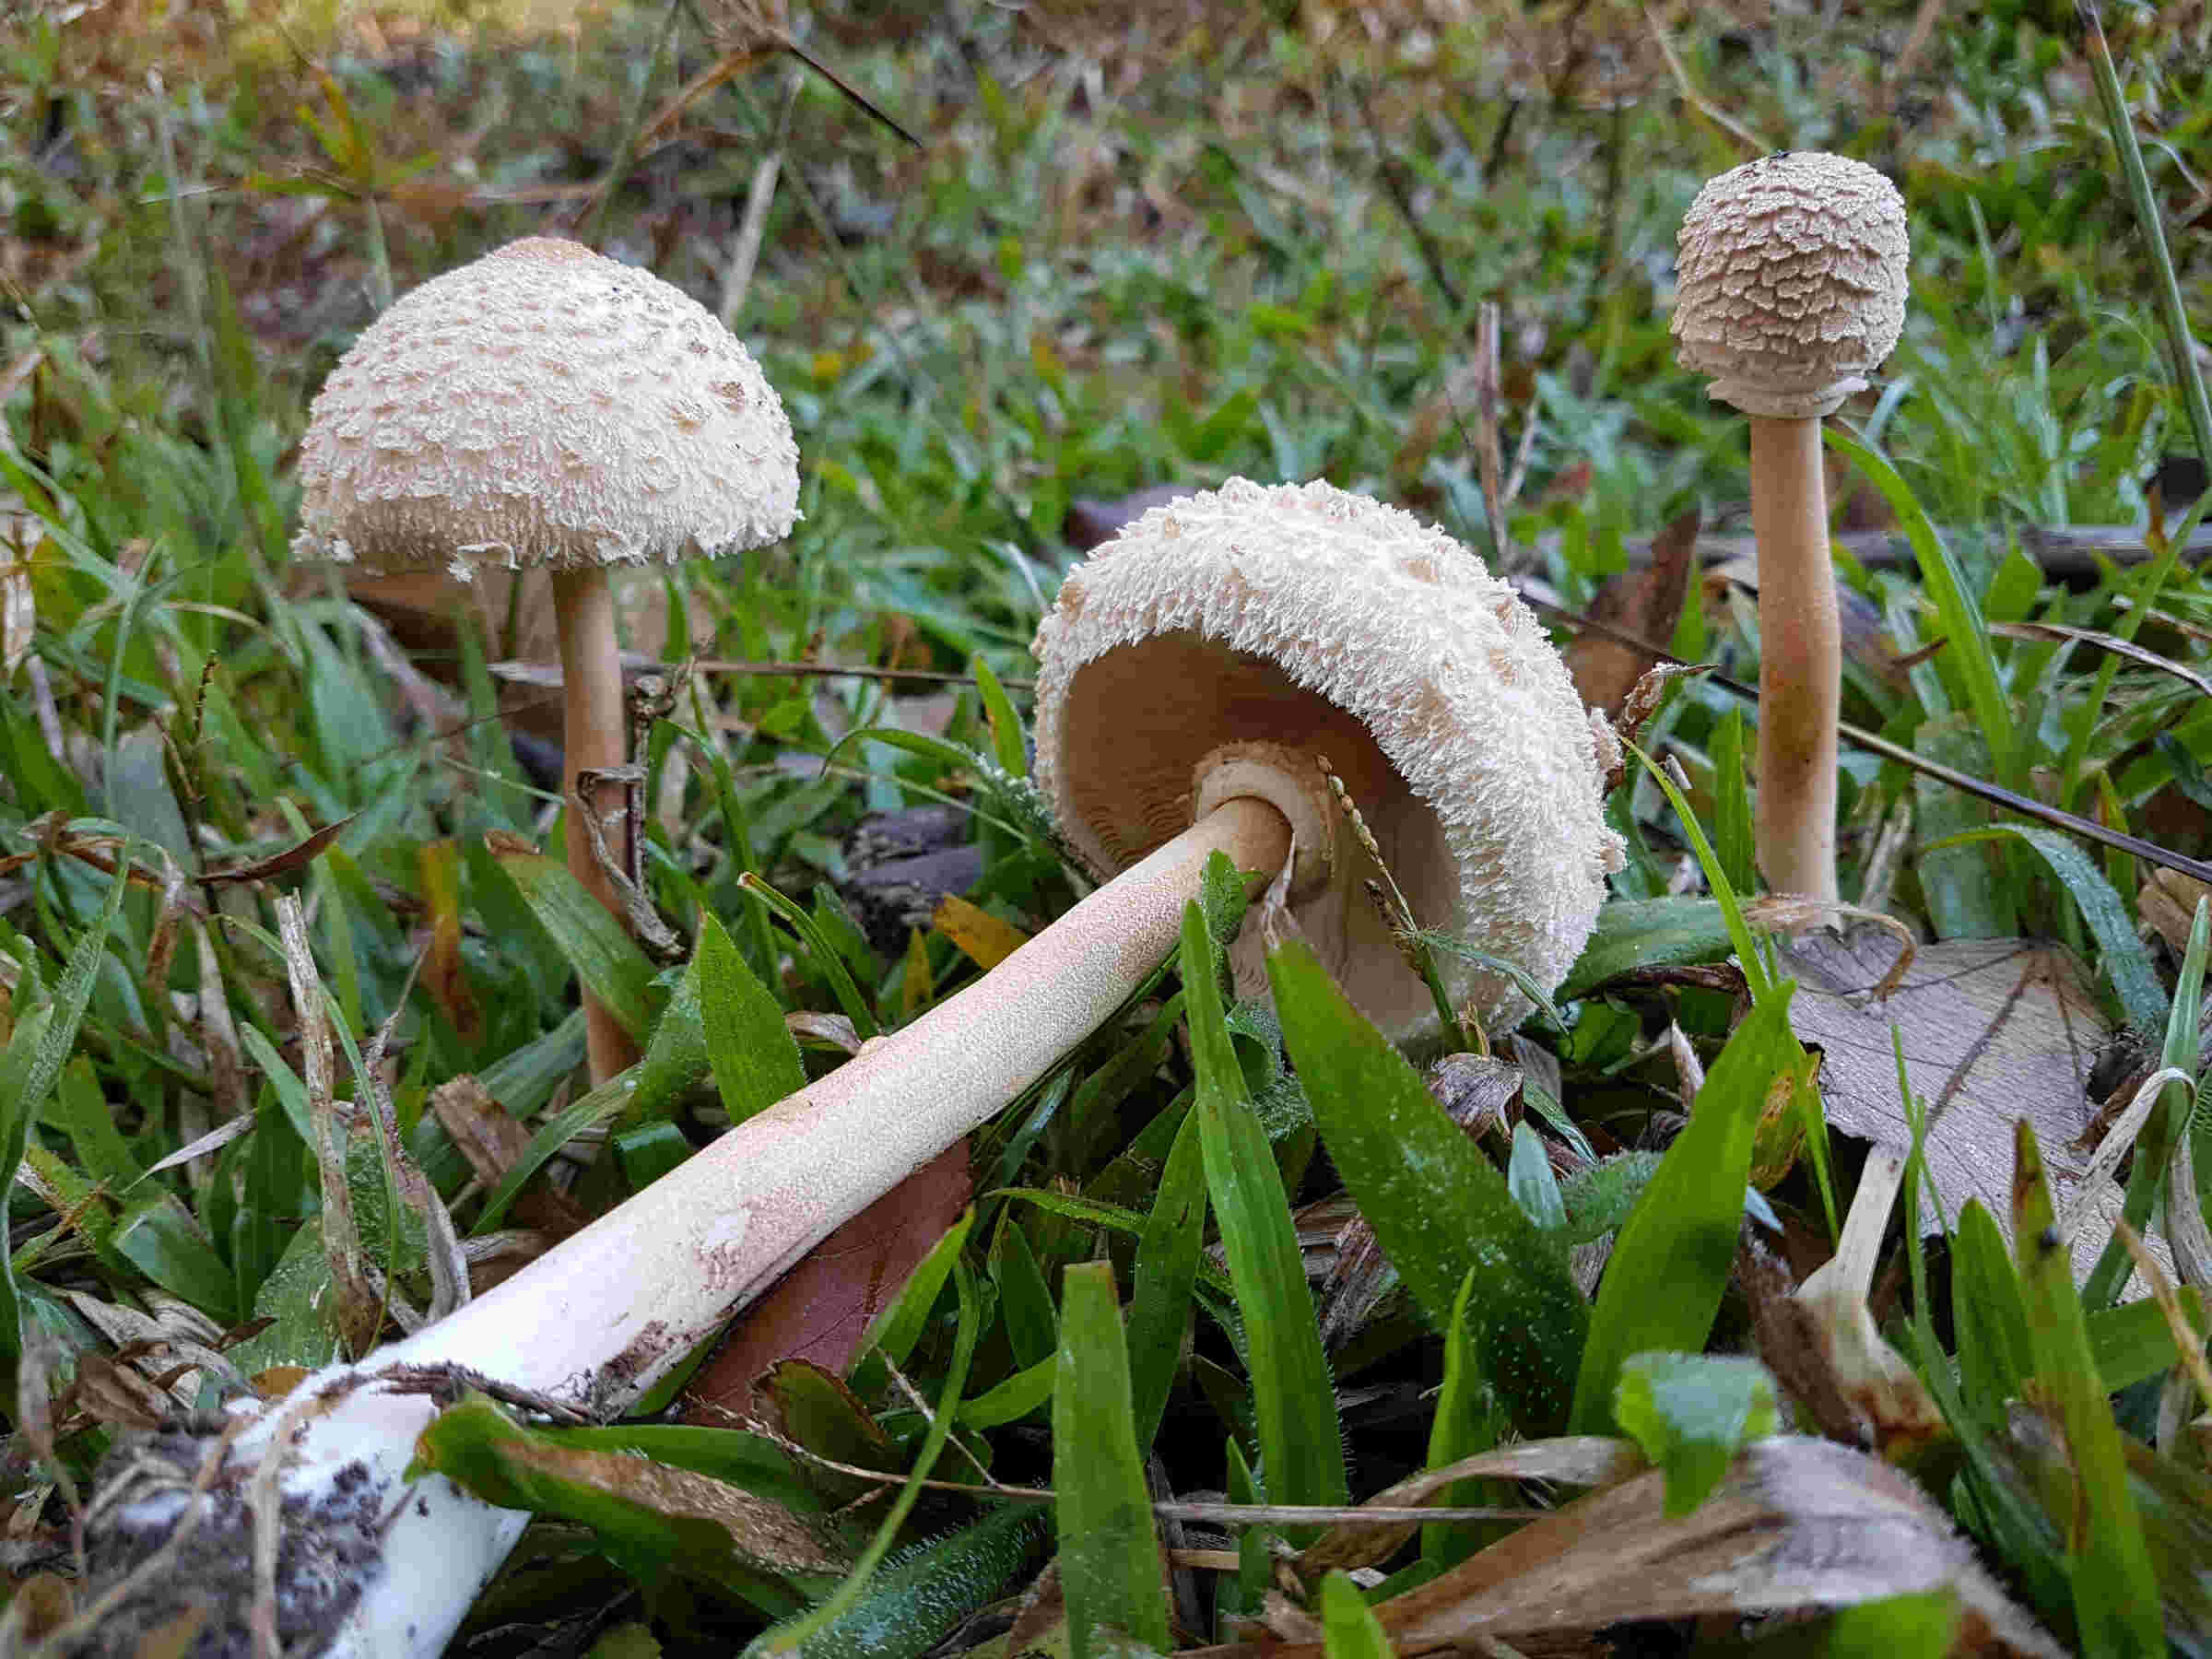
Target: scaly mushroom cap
[[1325, 622], [545, 406], [1792, 273]]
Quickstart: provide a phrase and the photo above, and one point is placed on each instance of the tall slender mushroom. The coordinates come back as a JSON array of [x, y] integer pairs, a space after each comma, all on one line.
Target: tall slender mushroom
[[1253, 631], [1793, 275], [545, 406]]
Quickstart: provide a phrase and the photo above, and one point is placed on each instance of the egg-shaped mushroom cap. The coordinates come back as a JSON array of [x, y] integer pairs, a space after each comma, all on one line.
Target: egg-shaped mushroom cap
[[544, 406], [1791, 272], [1302, 615]]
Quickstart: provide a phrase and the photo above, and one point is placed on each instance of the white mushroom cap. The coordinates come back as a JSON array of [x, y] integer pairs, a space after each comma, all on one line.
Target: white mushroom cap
[[1302, 615], [1793, 271], [545, 406]]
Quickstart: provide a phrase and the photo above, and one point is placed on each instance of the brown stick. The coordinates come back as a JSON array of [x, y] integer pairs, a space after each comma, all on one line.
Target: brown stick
[[593, 739], [1800, 660]]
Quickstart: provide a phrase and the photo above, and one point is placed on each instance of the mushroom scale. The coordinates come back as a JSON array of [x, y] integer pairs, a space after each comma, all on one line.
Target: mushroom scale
[[1329, 624], [1792, 282], [545, 406]]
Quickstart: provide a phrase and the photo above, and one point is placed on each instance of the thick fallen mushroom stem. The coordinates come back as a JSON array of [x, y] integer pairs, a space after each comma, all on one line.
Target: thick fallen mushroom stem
[[1792, 274], [1473, 686]]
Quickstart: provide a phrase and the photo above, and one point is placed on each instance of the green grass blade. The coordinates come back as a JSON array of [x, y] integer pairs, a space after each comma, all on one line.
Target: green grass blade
[[605, 956], [1166, 1273], [2155, 1147], [2173, 313], [1110, 1566], [1439, 1208], [1966, 634], [2116, 1593], [786, 1638], [756, 1064], [1294, 1398], [1671, 1262], [33, 1061], [1349, 1629], [2142, 998]]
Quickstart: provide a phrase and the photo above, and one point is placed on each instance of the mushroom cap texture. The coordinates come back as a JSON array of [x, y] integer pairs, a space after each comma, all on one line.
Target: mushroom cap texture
[[545, 406], [1304, 615], [1791, 272]]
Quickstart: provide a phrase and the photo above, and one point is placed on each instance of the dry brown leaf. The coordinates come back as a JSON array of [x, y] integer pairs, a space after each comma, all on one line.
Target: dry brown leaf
[[1645, 601], [1591, 1460], [985, 939], [2168, 901], [1799, 1525], [1993, 1029], [822, 1307]]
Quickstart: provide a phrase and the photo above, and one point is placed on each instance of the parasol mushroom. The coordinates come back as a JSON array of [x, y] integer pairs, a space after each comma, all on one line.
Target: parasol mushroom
[[545, 406], [1792, 271], [1253, 628]]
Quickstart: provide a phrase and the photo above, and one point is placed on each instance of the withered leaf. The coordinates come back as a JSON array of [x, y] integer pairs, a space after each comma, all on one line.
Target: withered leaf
[[1993, 1029], [822, 1307], [292, 858], [1799, 1525], [1644, 602]]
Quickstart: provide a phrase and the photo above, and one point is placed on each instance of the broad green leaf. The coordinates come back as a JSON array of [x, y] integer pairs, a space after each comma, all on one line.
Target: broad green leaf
[[1691, 1414], [1467, 1420], [1988, 1314], [1006, 738], [1294, 1398], [1529, 1176], [157, 1235], [756, 1063], [1025, 1301], [1167, 1254], [2116, 1593], [605, 957], [1110, 1565], [1015, 1398], [2134, 1341], [650, 1518], [900, 1326], [1732, 832], [1920, 1626], [1349, 1629], [1438, 1206], [1672, 1256]]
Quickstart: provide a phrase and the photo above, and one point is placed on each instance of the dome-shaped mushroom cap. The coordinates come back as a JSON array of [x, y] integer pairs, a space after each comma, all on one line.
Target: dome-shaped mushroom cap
[[1791, 272], [1304, 615], [545, 406]]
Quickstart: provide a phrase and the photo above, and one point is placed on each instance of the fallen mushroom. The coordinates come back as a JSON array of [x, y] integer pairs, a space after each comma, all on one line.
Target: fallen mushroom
[[1243, 633], [1793, 275], [545, 406]]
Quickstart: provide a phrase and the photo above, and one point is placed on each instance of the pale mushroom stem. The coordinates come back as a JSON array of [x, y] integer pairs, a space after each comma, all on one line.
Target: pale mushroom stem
[[1801, 659], [595, 737], [597, 1320]]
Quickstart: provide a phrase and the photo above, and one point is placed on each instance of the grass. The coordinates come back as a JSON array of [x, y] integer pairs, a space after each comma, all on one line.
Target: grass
[[1199, 244]]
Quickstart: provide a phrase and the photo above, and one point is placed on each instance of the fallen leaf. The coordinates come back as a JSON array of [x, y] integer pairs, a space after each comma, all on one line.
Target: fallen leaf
[[1645, 601], [983, 938], [1993, 1029], [822, 1307], [1799, 1525]]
